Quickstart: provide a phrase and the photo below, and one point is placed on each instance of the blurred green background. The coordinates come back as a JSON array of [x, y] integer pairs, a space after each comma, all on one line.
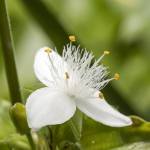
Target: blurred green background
[[121, 26]]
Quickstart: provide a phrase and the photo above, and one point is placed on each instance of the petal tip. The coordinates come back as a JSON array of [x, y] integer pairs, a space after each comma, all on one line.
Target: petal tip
[[128, 122]]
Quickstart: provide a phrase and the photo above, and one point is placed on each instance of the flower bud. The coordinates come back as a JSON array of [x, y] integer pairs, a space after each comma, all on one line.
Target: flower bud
[[137, 121], [18, 116]]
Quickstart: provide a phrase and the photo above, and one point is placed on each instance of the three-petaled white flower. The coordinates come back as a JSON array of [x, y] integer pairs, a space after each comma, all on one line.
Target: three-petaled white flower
[[73, 80]]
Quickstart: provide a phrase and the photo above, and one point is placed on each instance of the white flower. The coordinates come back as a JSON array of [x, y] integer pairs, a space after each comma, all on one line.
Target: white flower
[[73, 80]]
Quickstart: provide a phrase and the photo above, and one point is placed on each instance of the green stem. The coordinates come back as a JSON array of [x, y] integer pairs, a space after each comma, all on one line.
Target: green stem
[[9, 59], [50, 138], [7, 48], [30, 139]]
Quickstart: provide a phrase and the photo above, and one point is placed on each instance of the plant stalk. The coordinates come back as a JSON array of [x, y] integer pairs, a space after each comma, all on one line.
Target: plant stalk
[[9, 59], [8, 54], [30, 139]]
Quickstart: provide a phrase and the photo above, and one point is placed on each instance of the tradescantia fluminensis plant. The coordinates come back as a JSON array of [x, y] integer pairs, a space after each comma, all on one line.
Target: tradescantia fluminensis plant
[[73, 81]]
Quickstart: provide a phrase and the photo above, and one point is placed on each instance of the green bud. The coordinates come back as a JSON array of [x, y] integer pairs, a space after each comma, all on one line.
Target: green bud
[[137, 121], [18, 116]]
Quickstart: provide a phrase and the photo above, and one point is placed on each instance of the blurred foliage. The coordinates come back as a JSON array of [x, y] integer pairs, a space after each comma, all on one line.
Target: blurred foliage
[[8, 137], [102, 137], [15, 142], [119, 25]]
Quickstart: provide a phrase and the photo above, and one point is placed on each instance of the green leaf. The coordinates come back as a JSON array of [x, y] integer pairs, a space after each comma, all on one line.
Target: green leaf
[[96, 136]]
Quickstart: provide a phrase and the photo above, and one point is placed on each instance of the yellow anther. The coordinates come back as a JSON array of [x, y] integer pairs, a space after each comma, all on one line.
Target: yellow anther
[[72, 38], [116, 76], [106, 52], [100, 95], [66, 75], [48, 50]]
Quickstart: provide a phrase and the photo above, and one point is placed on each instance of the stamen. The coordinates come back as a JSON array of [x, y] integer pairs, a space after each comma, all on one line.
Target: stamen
[[72, 38], [100, 95], [106, 52], [102, 56], [48, 50], [66, 75], [116, 76], [53, 70]]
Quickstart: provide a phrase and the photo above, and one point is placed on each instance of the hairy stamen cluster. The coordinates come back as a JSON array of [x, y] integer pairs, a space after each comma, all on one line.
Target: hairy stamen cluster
[[83, 72]]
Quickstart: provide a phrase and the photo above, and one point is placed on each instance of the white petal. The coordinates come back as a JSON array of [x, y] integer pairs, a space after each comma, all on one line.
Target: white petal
[[48, 70], [48, 107], [101, 111]]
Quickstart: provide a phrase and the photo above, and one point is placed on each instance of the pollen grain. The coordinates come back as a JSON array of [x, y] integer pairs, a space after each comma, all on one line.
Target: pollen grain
[[72, 38], [116, 76], [106, 52], [48, 50], [100, 95], [66, 75]]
